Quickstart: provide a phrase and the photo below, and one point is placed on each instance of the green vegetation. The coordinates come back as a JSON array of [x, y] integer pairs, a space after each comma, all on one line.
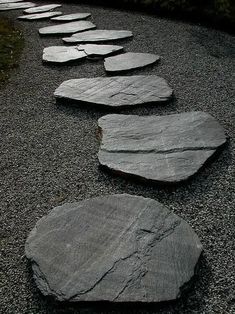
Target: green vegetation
[[11, 44]]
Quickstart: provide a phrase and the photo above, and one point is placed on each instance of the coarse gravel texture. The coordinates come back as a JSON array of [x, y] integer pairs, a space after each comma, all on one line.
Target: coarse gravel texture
[[49, 155]]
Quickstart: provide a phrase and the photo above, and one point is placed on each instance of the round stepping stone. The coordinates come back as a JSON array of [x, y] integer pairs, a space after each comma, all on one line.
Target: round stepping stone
[[40, 16], [67, 28], [71, 17], [62, 54], [16, 6], [165, 149], [98, 36], [9, 1], [43, 8], [118, 248], [116, 91], [129, 61]]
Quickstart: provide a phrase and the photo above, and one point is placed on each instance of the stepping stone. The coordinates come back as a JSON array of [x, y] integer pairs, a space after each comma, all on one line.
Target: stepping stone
[[71, 17], [165, 149], [118, 248], [66, 28], [116, 91], [129, 61], [98, 36], [16, 6], [39, 16], [61, 54], [9, 1], [43, 8], [99, 50]]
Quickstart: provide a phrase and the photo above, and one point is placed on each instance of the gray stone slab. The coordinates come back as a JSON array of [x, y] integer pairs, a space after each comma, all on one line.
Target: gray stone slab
[[67, 28], [98, 36], [116, 91], [129, 61], [93, 50], [16, 6], [71, 17], [117, 248], [9, 1], [62, 54], [43, 8], [39, 16], [165, 149]]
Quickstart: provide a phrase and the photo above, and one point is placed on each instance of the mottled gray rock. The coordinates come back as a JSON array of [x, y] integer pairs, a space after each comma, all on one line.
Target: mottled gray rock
[[62, 54], [116, 91], [119, 248], [67, 28], [99, 50], [9, 1], [16, 6], [43, 8], [166, 149], [71, 17], [129, 61], [39, 16], [98, 36]]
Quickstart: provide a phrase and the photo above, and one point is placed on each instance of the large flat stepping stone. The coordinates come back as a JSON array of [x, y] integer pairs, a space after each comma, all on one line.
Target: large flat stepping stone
[[71, 17], [39, 16], [116, 91], [62, 54], [43, 8], [118, 248], [16, 6], [9, 1], [165, 149], [129, 61], [98, 36], [67, 28]]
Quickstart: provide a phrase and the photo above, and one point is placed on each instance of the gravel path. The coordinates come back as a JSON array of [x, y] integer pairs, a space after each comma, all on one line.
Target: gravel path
[[48, 155]]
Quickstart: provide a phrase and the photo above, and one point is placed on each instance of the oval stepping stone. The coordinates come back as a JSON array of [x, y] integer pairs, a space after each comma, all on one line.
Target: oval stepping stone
[[71, 17], [9, 1], [43, 8], [129, 61], [99, 50], [165, 149], [98, 36], [16, 6], [40, 16], [118, 248], [66, 28], [116, 91], [61, 54]]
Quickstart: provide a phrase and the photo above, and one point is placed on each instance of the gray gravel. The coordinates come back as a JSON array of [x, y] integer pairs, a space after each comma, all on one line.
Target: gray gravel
[[48, 155]]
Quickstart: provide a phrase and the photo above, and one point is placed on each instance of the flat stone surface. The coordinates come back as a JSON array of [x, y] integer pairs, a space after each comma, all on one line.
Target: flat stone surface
[[9, 1], [43, 8], [99, 50], [98, 36], [118, 248], [71, 17], [61, 54], [129, 61], [39, 16], [67, 28], [166, 149], [116, 91], [16, 6]]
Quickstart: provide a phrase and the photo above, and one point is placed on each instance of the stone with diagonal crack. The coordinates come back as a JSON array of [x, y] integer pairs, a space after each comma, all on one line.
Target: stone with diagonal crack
[[129, 61], [43, 8], [71, 17], [118, 248], [67, 28], [16, 6], [164, 149], [98, 36], [62, 54], [116, 91], [39, 16]]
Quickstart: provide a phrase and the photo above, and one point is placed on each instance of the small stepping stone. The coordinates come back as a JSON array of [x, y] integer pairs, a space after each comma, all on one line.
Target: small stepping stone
[[39, 16], [100, 50], [43, 8], [67, 28], [129, 61], [9, 1], [116, 91], [165, 149], [16, 6], [98, 36], [62, 54], [118, 248], [71, 17]]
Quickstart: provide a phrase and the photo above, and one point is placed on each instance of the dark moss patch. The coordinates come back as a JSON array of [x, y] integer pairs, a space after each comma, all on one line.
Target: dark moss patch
[[11, 45]]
